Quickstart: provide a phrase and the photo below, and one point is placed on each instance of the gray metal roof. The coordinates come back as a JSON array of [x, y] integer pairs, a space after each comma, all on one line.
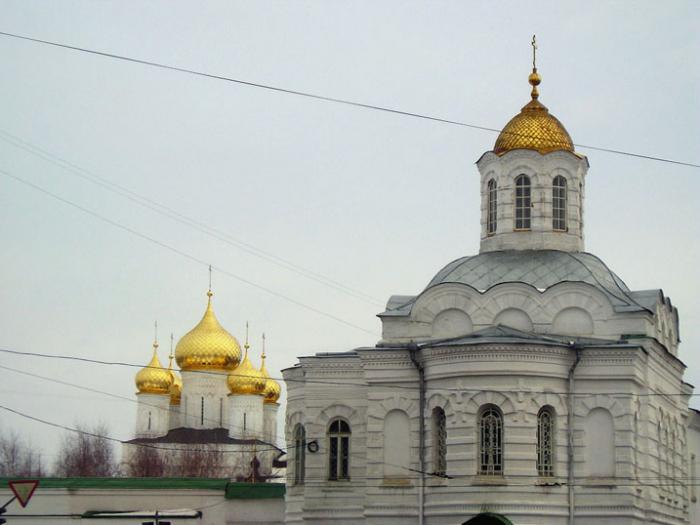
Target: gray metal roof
[[541, 269]]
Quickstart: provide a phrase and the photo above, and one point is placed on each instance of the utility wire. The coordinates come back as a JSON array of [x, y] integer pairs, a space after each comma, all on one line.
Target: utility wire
[[252, 442], [166, 211], [322, 97], [393, 386], [123, 398], [183, 253]]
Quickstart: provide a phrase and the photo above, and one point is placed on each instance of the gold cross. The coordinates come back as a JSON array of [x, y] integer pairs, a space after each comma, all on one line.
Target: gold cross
[[534, 51]]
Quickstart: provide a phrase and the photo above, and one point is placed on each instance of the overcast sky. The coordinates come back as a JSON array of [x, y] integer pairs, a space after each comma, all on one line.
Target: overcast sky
[[374, 201]]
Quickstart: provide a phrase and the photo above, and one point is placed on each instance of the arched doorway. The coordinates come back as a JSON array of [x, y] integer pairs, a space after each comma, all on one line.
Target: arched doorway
[[488, 518]]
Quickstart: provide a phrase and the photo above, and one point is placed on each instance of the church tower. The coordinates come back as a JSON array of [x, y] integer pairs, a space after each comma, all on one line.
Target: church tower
[[532, 183], [205, 355], [153, 384]]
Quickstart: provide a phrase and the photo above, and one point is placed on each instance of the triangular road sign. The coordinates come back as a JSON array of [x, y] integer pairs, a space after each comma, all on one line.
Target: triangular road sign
[[23, 489]]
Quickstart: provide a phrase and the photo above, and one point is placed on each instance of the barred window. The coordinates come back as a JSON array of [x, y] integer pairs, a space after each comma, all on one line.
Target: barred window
[[559, 203], [491, 441], [491, 212], [439, 442], [338, 450], [545, 442], [299, 454], [523, 203]]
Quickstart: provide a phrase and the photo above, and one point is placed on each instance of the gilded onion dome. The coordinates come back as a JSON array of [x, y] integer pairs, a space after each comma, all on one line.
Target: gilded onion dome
[[176, 386], [153, 378], [246, 379], [208, 346], [272, 388], [534, 127]]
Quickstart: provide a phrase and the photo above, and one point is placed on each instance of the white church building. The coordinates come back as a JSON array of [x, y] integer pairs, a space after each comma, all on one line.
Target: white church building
[[525, 385], [217, 415]]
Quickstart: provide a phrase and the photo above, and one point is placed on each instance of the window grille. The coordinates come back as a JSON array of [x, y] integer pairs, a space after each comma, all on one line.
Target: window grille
[[523, 203], [439, 442], [559, 204], [201, 414], [338, 450], [491, 442], [545, 442], [299, 454], [491, 212]]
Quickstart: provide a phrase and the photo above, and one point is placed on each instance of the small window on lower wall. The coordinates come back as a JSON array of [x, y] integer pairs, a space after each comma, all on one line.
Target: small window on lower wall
[[338, 450], [439, 442], [545, 442], [490, 441]]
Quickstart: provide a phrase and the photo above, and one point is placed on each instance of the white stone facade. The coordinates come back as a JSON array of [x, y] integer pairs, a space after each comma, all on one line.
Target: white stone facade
[[206, 409], [526, 383]]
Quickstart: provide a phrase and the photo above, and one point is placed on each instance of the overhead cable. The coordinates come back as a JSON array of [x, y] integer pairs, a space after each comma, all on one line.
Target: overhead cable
[[322, 97]]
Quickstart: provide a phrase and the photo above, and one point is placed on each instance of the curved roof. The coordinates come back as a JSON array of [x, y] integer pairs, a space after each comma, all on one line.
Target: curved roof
[[540, 269]]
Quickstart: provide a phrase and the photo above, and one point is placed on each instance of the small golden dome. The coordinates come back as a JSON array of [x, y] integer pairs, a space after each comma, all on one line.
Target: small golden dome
[[208, 346], [246, 379], [272, 388], [534, 127], [153, 379], [176, 386]]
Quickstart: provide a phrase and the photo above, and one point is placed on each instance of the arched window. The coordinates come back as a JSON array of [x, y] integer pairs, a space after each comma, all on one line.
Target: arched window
[[559, 204], [545, 442], [491, 212], [338, 450], [439, 442], [299, 454], [491, 441], [523, 203]]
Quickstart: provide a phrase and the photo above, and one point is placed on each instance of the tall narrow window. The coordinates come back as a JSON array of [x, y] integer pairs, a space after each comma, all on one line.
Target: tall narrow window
[[201, 413], [299, 454], [338, 450], [545, 442], [221, 412], [559, 204], [245, 421], [491, 441], [439, 442], [491, 212], [523, 203], [149, 420]]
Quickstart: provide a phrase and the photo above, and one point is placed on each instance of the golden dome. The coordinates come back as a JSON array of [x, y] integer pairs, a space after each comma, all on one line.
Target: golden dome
[[176, 386], [208, 346], [272, 388], [153, 379], [246, 379], [534, 127]]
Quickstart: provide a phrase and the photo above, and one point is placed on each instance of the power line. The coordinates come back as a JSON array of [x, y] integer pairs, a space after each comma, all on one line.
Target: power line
[[183, 253], [138, 444], [166, 211], [394, 386], [323, 97], [120, 397]]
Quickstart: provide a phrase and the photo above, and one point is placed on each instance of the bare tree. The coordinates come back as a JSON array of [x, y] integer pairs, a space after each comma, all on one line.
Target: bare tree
[[86, 453], [18, 457], [205, 461], [146, 462]]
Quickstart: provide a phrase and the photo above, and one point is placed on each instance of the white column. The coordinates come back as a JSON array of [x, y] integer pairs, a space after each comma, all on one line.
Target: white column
[[152, 415], [245, 416], [270, 422]]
